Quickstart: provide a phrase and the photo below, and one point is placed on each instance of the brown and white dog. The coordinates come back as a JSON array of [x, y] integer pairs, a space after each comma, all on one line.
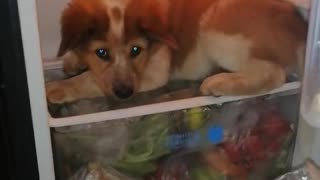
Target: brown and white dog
[[129, 46]]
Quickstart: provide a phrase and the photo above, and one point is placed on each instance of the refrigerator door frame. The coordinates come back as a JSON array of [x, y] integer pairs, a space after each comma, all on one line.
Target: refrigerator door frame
[[35, 79], [17, 136]]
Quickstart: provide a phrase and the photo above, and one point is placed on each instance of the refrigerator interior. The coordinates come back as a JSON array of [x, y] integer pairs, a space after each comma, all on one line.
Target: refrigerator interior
[[62, 123]]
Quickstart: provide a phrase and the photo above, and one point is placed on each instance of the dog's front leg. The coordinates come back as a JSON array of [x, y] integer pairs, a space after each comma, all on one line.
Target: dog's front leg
[[255, 76], [77, 87]]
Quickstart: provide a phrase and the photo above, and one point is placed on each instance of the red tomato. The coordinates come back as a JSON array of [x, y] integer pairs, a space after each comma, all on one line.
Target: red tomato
[[275, 146], [274, 125], [233, 151], [254, 147], [263, 140]]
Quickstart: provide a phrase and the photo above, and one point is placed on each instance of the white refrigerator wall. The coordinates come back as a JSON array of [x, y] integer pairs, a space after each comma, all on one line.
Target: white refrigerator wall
[[308, 139], [49, 12]]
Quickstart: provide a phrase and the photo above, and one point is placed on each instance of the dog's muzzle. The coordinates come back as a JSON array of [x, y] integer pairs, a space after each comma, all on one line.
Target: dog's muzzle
[[123, 91]]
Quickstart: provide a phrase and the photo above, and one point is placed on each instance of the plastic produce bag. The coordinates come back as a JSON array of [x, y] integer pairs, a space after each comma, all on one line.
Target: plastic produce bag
[[185, 166], [95, 171], [146, 143], [299, 174], [308, 172], [254, 142], [74, 146], [150, 137]]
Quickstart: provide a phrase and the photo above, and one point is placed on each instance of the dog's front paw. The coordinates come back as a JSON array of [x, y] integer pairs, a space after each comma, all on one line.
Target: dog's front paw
[[56, 93], [220, 85]]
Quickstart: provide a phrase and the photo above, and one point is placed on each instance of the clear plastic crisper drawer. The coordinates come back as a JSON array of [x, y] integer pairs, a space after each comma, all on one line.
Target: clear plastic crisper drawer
[[247, 139]]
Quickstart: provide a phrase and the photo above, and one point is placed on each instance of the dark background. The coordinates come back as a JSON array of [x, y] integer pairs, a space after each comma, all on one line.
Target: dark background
[[17, 146]]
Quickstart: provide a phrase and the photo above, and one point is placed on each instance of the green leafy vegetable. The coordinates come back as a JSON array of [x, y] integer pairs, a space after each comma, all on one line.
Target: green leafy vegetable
[[147, 142], [135, 169], [203, 173]]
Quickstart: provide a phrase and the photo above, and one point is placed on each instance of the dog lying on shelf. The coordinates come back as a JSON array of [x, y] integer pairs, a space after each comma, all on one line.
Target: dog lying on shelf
[[121, 47]]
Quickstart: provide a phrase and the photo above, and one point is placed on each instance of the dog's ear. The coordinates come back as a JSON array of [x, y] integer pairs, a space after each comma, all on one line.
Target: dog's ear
[[151, 17], [81, 21]]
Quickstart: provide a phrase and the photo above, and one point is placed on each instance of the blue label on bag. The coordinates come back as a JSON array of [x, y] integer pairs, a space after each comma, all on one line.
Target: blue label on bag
[[177, 141], [214, 135]]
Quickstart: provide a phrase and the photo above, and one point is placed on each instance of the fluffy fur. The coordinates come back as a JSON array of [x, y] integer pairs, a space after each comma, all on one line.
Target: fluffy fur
[[254, 42]]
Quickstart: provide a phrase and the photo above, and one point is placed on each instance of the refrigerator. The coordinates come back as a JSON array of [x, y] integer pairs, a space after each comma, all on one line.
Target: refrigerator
[[44, 141]]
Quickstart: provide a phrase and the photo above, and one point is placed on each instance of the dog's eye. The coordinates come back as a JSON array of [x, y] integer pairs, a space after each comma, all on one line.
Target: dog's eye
[[103, 54], [135, 51]]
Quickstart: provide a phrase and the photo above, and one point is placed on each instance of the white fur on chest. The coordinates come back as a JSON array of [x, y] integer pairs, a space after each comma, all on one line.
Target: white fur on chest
[[214, 50], [196, 65]]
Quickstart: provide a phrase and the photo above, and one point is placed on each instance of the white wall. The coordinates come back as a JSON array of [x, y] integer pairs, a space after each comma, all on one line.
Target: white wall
[[49, 12]]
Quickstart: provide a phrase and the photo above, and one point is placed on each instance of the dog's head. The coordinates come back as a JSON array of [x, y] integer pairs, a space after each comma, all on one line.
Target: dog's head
[[115, 39]]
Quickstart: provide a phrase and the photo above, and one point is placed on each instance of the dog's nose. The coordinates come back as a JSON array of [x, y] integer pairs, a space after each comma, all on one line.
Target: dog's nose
[[123, 91]]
